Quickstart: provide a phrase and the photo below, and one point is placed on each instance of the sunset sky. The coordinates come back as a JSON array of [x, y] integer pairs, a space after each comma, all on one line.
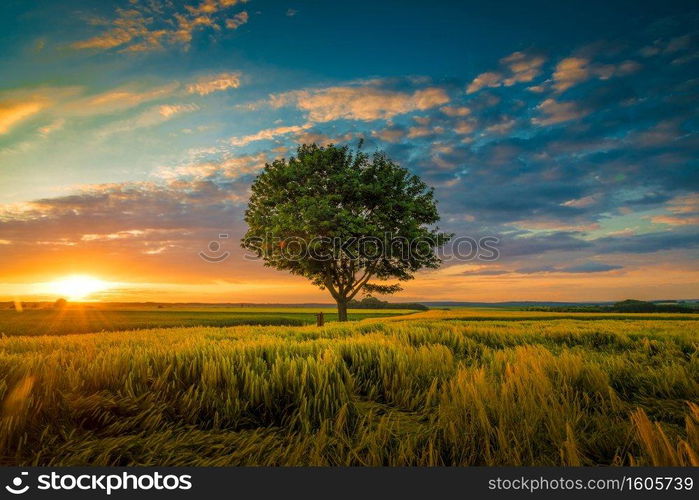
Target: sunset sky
[[130, 132]]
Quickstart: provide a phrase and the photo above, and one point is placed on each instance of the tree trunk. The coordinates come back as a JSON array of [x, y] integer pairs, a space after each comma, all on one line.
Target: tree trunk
[[342, 309]]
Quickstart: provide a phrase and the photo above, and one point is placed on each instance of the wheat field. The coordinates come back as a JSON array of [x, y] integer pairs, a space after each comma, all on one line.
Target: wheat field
[[437, 388]]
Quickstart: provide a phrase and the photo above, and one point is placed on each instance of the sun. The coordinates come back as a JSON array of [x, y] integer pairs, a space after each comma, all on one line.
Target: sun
[[78, 286]]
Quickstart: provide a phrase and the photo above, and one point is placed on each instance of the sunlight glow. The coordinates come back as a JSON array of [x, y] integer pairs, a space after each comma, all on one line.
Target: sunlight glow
[[77, 286]]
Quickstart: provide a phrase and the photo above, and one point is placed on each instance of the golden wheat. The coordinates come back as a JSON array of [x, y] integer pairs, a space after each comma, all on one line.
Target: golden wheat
[[433, 388]]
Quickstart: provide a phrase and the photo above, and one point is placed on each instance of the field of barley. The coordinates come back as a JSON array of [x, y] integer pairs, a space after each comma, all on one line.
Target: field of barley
[[460, 387], [89, 318]]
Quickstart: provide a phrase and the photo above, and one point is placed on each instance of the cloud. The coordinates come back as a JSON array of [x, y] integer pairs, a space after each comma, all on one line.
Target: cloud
[[147, 26], [523, 67], [390, 134], [56, 106], [312, 136], [573, 70], [517, 67], [662, 133], [583, 202], [501, 127], [586, 267], [547, 224], [663, 46], [237, 21], [648, 242], [488, 79], [112, 208], [364, 103], [267, 134], [553, 111], [52, 127], [454, 111], [683, 211], [119, 99], [12, 113], [63, 103], [464, 127], [127, 26], [214, 83], [423, 131], [675, 221], [148, 118], [226, 168], [591, 267], [570, 71]]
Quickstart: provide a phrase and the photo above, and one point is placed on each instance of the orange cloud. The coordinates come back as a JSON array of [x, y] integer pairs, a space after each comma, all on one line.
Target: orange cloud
[[214, 83], [119, 99], [684, 211], [269, 133], [148, 118], [389, 134], [230, 168], [237, 21], [517, 67], [145, 27], [574, 70], [554, 111], [488, 79], [365, 103], [455, 111], [675, 221], [464, 127], [129, 25], [12, 113], [581, 202]]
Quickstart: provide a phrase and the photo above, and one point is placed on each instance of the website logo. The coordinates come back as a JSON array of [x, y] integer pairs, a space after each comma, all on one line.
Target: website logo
[[16, 488]]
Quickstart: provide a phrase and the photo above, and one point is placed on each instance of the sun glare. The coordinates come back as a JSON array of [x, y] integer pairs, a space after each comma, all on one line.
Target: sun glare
[[78, 287]]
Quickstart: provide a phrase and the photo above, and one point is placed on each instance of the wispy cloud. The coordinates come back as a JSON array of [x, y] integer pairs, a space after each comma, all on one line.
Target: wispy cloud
[[237, 21], [553, 112], [267, 134], [360, 102], [574, 70], [518, 67], [12, 113], [683, 211], [19, 105], [148, 26], [585, 267], [52, 127], [214, 83], [148, 118]]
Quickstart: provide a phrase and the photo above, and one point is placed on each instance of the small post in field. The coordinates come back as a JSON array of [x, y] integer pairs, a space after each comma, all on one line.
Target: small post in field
[[320, 320]]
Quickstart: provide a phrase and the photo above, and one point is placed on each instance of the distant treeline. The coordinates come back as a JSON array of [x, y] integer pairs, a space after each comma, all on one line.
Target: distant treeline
[[374, 303], [625, 306]]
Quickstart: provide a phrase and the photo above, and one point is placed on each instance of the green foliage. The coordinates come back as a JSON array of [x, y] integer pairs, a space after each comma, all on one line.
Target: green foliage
[[342, 219], [411, 390], [625, 306]]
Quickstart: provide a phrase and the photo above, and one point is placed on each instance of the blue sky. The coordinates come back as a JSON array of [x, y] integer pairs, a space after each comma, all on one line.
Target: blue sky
[[130, 132]]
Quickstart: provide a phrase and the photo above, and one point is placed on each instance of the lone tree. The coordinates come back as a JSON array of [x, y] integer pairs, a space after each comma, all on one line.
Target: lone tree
[[342, 219]]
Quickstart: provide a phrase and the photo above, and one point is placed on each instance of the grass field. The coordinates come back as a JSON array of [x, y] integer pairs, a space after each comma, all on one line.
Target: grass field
[[432, 388], [83, 318]]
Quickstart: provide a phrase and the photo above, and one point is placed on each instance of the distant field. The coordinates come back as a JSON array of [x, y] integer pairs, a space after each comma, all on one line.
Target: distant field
[[514, 314], [97, 318], [431, 388]]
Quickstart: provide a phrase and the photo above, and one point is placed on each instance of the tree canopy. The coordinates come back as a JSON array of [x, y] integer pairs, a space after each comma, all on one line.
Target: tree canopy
[[347, 221]]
